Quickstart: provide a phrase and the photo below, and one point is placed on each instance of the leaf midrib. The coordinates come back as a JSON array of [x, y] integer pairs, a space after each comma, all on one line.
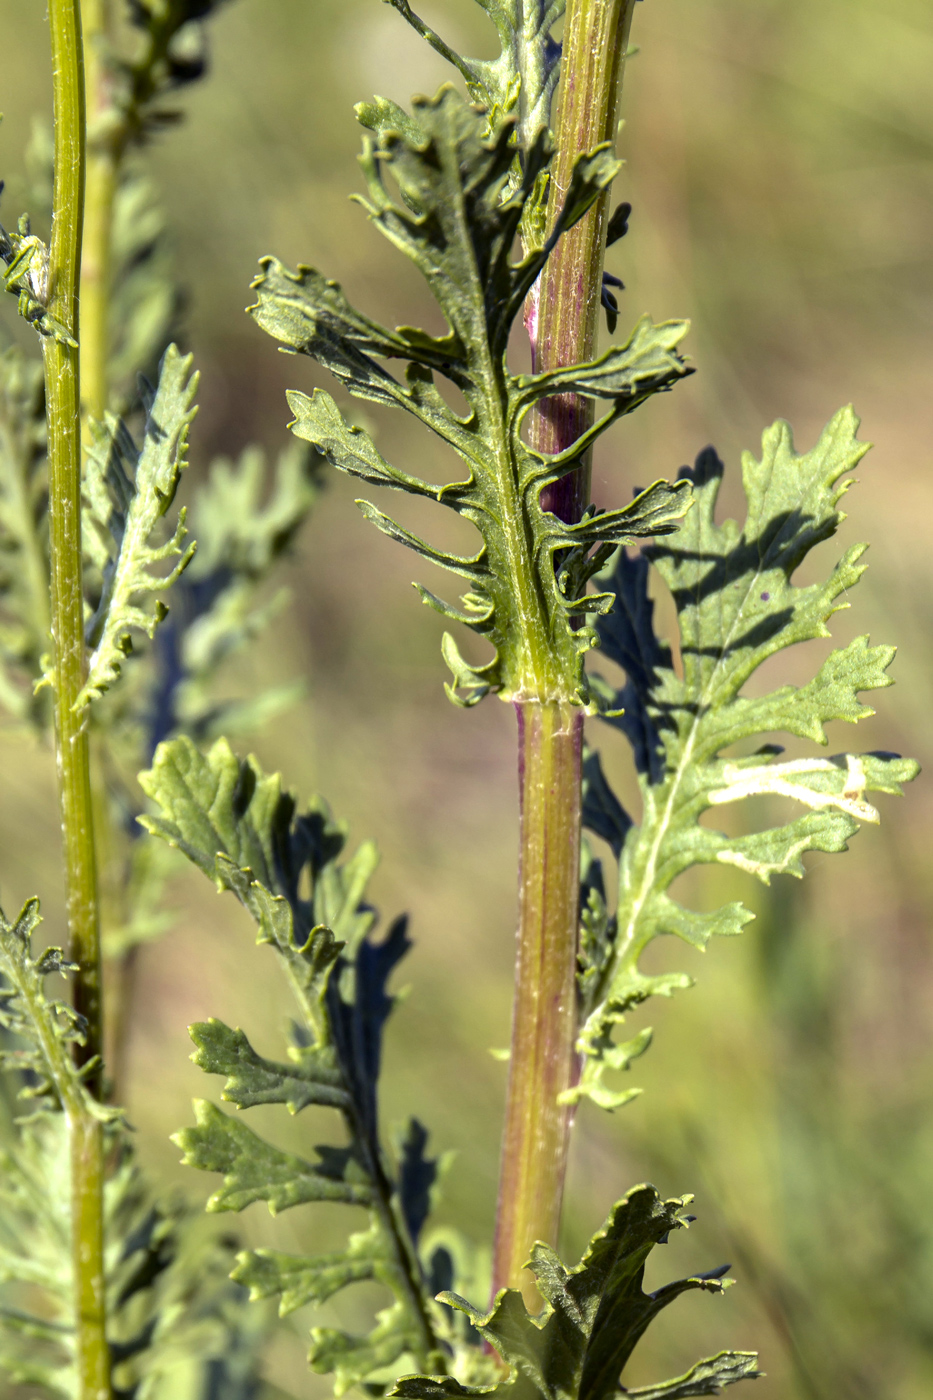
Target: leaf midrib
[[519, 558], [663, 826]]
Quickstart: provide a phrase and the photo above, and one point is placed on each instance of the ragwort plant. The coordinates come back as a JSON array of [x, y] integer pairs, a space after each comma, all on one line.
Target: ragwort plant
[[503, 207]]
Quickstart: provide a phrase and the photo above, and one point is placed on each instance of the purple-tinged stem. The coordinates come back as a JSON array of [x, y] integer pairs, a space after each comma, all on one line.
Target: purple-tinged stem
[[562, 320]]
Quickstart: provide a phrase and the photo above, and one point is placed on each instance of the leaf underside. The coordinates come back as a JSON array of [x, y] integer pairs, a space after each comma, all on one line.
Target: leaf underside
[[737, 606], [127, 493]]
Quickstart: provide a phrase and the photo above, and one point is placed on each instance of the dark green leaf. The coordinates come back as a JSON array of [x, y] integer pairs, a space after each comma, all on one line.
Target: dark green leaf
[[708, 1377], [236, 824], [594, 1315]]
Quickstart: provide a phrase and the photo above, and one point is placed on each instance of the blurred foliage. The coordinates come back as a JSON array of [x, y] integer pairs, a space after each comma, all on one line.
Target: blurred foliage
[[781, 175]]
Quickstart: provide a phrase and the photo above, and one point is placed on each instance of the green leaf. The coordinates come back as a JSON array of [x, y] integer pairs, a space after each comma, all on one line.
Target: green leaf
[[254, 1170], [48, 1028], [128, 492], [737, 606], [354, 1360], [708, 1377], [25, 261], [166, 1300], [252, 1080], [594, 1314], [439, 190], [647, 363], [245, 518], [236, 824], [521, 80], [301, 1279]]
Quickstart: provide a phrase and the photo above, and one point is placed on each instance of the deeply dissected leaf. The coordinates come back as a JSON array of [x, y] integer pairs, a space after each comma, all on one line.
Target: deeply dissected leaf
[[301, 1279], [128, 492], [25, 273], [171, 1310], [523, 77], [737, 606], [456, 217], [166, 1304], [253, 1170], [353, 1360], [244, 518], [594, 1315], [238, 826], [45, 1029], [253, 1080]]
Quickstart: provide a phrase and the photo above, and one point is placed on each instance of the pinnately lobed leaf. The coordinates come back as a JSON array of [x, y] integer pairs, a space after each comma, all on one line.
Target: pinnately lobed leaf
[[456, 217], [737, 606], [519, 82], [127, 493], [243, 831], [238, 826], [161, 1305], [47, 1028], [594, 1315]]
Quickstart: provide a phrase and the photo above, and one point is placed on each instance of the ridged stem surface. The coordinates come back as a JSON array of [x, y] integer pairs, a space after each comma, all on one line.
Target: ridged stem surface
[[563, 323], [544, 1019], [64, 429]]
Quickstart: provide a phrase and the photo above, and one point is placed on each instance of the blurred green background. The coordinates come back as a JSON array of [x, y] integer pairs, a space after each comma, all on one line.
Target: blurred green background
[[780, 163]]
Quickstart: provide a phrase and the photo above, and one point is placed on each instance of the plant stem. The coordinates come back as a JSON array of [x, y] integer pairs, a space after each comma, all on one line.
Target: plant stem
[[87, 1224], [544, 1020], [62, 397], [596, 37], [102, 168], [563, 324], [62, 379]]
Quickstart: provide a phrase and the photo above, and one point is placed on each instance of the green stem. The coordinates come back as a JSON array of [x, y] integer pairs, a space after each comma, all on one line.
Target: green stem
[[562, 319], [62, 399], [87, 1223], [62, 380]]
